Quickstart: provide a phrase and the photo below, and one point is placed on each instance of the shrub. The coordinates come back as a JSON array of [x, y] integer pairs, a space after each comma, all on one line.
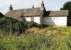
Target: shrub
[[33, 24], [10, 25]]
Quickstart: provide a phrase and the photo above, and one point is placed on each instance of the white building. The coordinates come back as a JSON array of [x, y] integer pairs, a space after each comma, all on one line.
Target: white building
[[41, 16]]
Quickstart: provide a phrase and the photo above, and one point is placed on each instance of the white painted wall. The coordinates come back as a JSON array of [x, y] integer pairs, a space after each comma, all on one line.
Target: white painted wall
[[58, 21], [28, 19], [36, 19]]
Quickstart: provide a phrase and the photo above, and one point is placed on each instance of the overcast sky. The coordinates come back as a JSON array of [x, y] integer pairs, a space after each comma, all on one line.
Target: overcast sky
[[21, 4]]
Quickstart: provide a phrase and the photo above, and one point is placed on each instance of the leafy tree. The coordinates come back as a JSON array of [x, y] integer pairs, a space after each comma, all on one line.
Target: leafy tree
[[66, 6]]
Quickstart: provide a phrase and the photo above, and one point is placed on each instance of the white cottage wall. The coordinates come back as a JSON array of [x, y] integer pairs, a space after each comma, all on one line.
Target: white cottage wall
[[56, 21], [36, 19], [28, 19]]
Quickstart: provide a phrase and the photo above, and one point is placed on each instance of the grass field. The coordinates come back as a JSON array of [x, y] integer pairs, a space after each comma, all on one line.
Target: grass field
[[50, 38]]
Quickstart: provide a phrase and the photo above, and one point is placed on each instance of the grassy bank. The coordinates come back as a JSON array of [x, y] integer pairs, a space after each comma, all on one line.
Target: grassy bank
[[50, 38]]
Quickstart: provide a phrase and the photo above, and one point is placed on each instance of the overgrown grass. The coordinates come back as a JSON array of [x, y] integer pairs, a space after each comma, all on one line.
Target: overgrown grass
[[57, 40]]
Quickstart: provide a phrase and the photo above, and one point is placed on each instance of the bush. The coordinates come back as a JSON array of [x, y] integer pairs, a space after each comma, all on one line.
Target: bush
[[10, 25], [33, 24]]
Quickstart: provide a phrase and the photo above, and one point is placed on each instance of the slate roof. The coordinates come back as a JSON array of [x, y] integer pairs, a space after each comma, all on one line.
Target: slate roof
[[33, 12], [24, 12], [61, 13]]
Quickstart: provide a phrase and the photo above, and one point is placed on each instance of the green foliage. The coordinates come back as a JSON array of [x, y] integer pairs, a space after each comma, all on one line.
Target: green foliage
[[35, 42], [32, 41], [67, 6], [7, 43], [10, 25], [32, 24]]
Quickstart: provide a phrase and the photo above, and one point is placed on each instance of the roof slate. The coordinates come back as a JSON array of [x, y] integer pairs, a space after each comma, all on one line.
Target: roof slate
[[61, 13], [34, 12], [24, 12]]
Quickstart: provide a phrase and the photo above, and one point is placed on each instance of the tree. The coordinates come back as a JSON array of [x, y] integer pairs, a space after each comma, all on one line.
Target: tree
[[66, 6]]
